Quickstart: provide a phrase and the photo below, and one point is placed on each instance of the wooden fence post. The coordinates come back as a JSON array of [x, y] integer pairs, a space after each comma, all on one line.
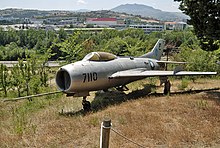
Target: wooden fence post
[[105, 133]]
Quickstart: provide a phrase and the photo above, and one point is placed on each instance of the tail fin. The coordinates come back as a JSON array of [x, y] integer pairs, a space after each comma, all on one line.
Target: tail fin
[[157, 51]]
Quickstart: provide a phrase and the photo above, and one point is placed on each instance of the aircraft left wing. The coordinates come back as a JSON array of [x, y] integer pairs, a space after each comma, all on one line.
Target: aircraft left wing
[[171, 62], [140, 72]]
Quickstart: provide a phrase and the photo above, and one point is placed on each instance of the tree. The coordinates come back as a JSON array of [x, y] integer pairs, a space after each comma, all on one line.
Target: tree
[[17, 80], [205, 17], [62, 34], [43, 68], [71, 49], [117, 46], [198, 60], [4, 79]]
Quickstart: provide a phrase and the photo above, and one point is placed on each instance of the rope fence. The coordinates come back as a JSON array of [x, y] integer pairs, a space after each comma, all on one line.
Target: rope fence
[[106, 127], [121, 135]]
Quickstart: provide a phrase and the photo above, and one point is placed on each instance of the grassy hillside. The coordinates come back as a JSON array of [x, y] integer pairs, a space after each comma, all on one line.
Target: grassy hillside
[[182, 120]]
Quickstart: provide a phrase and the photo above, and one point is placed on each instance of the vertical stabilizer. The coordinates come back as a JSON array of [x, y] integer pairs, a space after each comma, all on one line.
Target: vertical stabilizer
[[157, 51]]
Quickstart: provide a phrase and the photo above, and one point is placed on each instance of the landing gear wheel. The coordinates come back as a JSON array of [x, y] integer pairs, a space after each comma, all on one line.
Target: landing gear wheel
[[167, 86], [86, 105]]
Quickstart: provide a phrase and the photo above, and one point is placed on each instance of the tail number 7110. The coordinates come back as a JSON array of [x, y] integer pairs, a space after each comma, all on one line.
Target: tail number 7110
[[89, 77]]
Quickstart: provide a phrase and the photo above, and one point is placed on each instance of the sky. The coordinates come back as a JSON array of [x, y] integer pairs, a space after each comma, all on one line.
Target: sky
[[165, 5]]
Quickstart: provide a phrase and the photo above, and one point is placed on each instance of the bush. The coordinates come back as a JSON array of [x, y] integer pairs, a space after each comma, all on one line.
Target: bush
[[184, 84]]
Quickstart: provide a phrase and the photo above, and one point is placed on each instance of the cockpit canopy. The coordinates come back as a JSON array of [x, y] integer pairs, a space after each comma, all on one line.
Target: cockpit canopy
[[99, 56]]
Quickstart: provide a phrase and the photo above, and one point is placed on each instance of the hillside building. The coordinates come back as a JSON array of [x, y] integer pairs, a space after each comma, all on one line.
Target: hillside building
[[102, 21], [148, 28], [61, 20], [175, 26], [150, 21]]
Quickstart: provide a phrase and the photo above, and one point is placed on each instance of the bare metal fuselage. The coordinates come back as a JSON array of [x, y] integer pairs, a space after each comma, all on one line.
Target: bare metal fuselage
[[84, 76]]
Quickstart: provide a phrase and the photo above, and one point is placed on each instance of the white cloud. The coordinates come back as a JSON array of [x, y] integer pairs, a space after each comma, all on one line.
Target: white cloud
[[81, 2]]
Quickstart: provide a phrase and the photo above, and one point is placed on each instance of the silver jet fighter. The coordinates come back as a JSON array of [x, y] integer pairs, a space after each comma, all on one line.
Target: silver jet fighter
[[101, 70]]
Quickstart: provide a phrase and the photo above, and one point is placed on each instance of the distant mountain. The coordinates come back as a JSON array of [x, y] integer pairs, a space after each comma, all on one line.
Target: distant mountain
[[22, 13], [147, 11]]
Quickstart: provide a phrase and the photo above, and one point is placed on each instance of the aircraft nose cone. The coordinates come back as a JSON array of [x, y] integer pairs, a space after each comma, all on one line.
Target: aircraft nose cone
[[63, 79]]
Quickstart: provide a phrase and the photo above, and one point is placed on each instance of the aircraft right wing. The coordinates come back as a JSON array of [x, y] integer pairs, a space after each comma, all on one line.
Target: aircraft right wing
[[140, 72]]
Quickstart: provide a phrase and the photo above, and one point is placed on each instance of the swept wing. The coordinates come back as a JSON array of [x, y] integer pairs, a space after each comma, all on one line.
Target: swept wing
[[140, 72]]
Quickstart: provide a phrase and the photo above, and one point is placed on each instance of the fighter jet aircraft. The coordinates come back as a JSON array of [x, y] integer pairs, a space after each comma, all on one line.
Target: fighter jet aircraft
[[102, 70]]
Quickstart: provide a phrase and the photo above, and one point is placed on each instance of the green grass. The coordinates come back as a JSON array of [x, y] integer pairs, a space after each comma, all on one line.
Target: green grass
[[184, 84]]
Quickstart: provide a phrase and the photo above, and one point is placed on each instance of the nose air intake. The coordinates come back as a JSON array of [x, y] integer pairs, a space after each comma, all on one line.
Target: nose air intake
[[63, 80]]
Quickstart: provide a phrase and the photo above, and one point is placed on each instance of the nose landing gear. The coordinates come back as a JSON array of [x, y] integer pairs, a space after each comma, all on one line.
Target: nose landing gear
[[86, 105]]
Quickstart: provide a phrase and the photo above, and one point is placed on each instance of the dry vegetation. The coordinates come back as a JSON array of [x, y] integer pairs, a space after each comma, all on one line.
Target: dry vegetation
[[183, 120]]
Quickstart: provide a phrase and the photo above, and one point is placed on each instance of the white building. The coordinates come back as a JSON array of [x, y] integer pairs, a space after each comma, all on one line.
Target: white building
[[148, 28], [175, 25], [101, 21]]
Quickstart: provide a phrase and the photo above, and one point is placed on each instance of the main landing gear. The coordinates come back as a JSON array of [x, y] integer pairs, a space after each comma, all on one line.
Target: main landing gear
[[86, 105], [167, 85]]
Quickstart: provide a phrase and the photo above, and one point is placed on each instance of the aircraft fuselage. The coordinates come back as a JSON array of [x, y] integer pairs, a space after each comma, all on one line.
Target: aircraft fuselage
[[83, 76]]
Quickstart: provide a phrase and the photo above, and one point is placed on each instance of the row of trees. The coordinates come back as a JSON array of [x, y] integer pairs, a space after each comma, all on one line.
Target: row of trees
[[27, 77], [31, 38], [20, 44]]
